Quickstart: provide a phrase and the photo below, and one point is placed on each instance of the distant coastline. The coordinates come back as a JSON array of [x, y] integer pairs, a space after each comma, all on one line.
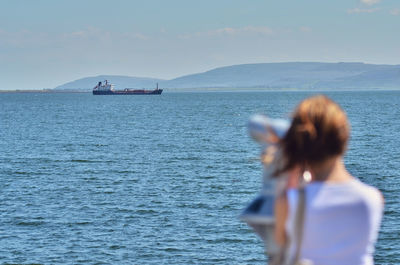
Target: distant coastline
[[263, 76], [44, 91], [302, 76], [201, 90]]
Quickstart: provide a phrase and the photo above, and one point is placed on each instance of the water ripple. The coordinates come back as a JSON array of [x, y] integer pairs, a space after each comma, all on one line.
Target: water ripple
[[165, 182]]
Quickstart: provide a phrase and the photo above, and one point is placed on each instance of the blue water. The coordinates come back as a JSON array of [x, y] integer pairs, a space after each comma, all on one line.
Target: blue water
[[161, 179]]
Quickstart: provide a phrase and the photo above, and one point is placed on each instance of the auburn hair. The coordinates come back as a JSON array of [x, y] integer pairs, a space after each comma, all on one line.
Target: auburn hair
[[319, 131]]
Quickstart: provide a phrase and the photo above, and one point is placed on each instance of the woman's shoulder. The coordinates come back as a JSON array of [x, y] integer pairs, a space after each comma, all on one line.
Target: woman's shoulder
[[369, 194], [351, 190], [354, 191], [365, 190]]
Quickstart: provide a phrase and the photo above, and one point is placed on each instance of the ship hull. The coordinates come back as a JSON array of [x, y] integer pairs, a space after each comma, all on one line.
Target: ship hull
[[128, 92]]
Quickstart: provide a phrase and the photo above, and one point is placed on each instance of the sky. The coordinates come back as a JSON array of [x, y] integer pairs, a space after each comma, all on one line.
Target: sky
[[46, 43]]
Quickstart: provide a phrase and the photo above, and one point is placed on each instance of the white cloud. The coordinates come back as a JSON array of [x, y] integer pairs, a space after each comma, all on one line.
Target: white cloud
[[361, 10], [395, 12], [235, 31], [139, 36], [228, 31], [370, 2], [90, 36], [262, 30], [23, 38], [99, 34], [305, 29]]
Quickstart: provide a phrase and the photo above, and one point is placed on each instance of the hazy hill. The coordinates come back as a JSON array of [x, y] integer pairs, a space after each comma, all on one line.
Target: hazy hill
[[268, 75], [295, 75]]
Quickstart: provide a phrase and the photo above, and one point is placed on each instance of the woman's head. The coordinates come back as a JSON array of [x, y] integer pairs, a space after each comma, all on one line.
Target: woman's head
[[319, 132]]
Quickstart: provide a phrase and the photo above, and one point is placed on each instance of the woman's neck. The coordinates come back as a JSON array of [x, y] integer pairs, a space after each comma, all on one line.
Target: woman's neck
[[332, 170]]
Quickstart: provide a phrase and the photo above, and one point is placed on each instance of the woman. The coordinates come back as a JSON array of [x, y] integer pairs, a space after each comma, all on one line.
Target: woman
[[341, 216]]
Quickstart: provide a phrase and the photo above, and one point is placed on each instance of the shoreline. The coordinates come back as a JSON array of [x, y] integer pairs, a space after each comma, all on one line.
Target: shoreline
[[205, 90], [44, 91]]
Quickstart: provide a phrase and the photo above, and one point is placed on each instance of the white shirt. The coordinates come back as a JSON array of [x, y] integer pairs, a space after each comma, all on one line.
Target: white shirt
[[341, 222]]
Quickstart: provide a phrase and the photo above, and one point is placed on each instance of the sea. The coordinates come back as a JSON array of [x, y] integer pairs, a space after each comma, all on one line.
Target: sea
[[162, 179]]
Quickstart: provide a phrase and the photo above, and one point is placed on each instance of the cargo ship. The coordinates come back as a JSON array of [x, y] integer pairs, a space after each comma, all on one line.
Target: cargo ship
[[106, 88]]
